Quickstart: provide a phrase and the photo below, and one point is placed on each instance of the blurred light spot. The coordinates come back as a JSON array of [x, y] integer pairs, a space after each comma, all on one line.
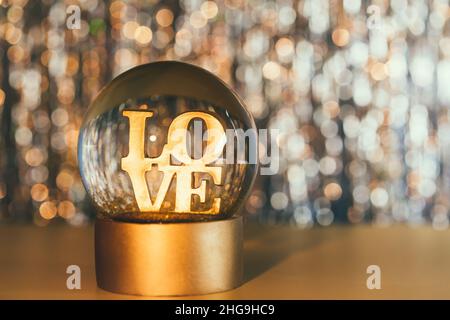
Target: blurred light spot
[[327, 165], [303, 217], [325, 217], [164, 17], [34, 157], [379, 197], [66, 209], [48, 210], [197, 20], [60, 117], [279, 200], [209, 9], [64, 180], [285, 49], [2, 97], [2, 190], [361, 194], [332, 191], [129, 29], [271, 70], [23, 136], [39, 192], [378, 71], [143, 35], [340, 37]]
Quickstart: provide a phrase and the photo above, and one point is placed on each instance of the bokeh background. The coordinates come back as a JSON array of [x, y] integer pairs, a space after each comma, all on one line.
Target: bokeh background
[[359, 89]]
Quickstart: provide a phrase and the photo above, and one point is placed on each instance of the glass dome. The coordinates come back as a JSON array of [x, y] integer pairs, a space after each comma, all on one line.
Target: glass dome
[[161, 143]]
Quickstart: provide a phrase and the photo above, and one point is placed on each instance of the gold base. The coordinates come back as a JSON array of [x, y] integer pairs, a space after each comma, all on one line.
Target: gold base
[[170, 259]]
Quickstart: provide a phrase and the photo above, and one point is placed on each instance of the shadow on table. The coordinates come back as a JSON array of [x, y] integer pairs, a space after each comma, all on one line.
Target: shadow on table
[[266, 246]]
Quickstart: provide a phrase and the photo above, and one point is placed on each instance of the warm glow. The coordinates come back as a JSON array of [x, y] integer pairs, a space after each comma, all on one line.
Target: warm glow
[[66, 209], [2, 97], [143, 35], [378, 71], [332, 191], [129, 29], [39, 192], [340, 37], [136, 164], [198, 20], [209, 9], [164, 17], [48, 210]]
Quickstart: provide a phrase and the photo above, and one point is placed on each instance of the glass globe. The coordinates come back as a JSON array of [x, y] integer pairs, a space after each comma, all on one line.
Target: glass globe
[[161, 143]]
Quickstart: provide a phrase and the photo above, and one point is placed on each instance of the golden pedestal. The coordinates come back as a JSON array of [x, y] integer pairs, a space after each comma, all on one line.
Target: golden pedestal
[[189, 258]]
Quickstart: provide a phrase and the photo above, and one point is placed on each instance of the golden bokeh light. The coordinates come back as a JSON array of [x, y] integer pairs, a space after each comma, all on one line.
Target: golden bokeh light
[[48, 210], [349, 96], [34, 157], [143, 35], [39, 192], [129, 29], [164, 17], [66, 209], [198, 20], [378, 71], [340, 37], [271, 70], [332, 191], [64, 180], [2, 97], [209, 9]]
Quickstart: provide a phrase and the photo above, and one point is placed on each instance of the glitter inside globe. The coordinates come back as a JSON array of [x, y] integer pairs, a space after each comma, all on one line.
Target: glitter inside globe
[[129, 152]]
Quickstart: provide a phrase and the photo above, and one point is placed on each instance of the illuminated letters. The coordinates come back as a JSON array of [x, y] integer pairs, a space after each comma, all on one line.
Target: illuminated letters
[[136, 164]]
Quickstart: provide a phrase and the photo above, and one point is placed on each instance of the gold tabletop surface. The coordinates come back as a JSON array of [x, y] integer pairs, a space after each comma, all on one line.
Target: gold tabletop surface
[[280, 263]]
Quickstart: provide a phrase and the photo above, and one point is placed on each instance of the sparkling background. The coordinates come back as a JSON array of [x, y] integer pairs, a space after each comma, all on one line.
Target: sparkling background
[[359, 89]]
